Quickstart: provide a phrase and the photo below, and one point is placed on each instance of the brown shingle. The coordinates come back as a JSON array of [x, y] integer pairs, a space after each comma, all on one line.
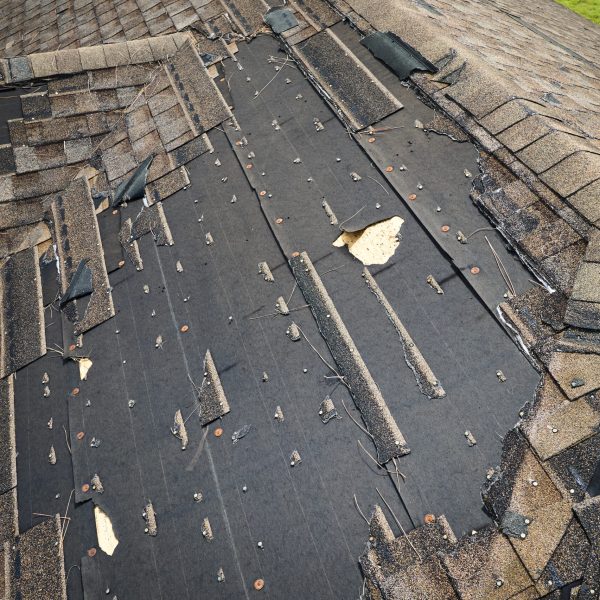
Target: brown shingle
[[551, 149], [573, 173], [577, 374], [480, 562], [92, 58], [140, 51], [548, 525], [68, 61], [43, 64], [116, 54]]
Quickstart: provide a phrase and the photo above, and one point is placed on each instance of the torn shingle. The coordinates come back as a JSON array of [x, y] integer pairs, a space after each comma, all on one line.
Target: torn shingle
[[23, 337], [77, 238], [484, 565], [211, 397], [36, 105]]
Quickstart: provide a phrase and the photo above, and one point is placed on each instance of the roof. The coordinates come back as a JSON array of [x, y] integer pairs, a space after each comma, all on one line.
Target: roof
[[248, 304]]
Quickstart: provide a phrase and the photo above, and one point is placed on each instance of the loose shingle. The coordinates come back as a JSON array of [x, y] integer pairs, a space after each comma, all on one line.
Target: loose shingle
[[36, 106], [20, 69], [23, 337], [77, 238]]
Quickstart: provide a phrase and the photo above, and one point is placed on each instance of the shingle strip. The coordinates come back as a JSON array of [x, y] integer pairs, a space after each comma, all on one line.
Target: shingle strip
[[198, 95], [22, 333], [77, 238], [387, 437]]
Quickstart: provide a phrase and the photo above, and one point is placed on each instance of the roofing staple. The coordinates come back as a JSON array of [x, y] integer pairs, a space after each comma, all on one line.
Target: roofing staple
[[387, 437], [426, 380]]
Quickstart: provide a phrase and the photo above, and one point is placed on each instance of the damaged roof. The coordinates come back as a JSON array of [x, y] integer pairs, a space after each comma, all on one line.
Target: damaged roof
[[299, 289]]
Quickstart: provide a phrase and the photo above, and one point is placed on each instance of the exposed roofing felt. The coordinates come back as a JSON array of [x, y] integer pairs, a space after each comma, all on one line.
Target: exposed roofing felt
[[237, 394]]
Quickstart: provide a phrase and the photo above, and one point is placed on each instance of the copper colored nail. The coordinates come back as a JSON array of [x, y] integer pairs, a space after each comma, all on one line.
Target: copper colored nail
[[91, 552], [85, 488], [184, 328], [279, 220], [259, 584], [474, 270], [429, 518], [389, 169], [412, 197], [75, 391], [218, 432], [80, 435], [445, 228]]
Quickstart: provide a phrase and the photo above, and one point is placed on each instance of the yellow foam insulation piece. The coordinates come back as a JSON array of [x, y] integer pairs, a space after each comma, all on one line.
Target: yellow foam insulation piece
[[85, 364], [375, 244], [104, 531]]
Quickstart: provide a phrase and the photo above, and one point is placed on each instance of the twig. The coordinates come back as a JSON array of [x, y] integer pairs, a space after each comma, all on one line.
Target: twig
[[293, 290], [478, 230], [67, 439], [66, 523], [502, 269], [69, 572], [374, 459], [371, 131], [330, 270], [36, 514], [360, 512], [341, 378], [352, 217], [357, 423], [278, 313], [269, 82], [398, 522], [378, 183]]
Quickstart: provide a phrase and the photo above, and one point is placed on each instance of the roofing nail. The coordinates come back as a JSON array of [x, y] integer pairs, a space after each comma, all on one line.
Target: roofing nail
[[412, 197], [445, 228], [474, 270], [389, 169], [218, 432], [91, 552], [259, 584]]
